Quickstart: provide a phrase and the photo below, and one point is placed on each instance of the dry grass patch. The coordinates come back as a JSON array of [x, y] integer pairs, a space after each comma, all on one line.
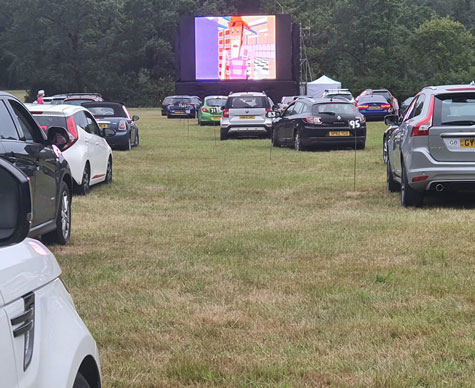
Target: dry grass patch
[[208, 265]]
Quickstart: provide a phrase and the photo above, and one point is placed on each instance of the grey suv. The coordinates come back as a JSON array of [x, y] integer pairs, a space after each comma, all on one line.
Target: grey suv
[[433, 146], [245, 114]]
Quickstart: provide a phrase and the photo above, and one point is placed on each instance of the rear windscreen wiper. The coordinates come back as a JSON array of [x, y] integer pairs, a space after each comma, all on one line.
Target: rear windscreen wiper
[[459, 122]]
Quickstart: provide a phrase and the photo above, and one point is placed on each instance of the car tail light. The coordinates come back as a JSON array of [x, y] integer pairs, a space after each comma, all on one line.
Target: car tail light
[[226, 113], [420, 178], [313, 120], [362, 106], [122, 125], [73, 133], [268, 110], [204, 109], [422, 127], [385, 106]]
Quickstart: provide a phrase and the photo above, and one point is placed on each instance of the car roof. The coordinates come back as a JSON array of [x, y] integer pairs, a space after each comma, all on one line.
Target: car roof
[[103, 103], [452, 88], [55, 110], [208, 97], [247, 94], [324, 100]]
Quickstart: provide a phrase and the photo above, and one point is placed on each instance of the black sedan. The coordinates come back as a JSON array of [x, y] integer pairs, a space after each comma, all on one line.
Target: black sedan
[[121, 129], [312, 122]]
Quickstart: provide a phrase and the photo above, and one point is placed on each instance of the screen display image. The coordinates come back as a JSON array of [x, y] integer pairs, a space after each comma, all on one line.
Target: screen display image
[[235, 48]]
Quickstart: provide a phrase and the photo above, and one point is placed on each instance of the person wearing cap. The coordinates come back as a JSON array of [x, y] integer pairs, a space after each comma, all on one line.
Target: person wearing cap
[[39, 98]]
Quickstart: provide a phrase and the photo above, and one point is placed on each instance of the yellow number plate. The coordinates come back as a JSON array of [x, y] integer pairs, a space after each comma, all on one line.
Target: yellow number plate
[[215, 118], [339, 133], [104, 125], [467, 143], [247, 117]]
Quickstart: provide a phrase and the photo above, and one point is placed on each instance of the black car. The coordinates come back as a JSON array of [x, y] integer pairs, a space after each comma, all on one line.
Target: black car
[[312, 122], [194, 103], [121, 129], [24, 144], [182, 107]]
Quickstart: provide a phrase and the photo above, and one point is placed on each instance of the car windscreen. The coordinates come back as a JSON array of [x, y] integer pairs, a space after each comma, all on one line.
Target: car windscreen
[[244, 102], [180, 101], [334, 109], [46, 122], [106, 111], [454, 109], [76, 102], [216, 101]]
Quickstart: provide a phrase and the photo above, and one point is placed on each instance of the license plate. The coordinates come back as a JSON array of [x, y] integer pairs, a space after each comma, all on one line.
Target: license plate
[[467, 143], [104, 125], [247, 117], [339, 133], [374, 107], [215, 118]]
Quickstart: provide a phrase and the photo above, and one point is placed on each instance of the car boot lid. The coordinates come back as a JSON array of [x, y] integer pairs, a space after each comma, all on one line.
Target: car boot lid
[[25, 267]]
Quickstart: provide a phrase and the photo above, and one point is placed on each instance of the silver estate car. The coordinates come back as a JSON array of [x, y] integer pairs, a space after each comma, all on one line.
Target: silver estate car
[[433, 146], [245, 114]]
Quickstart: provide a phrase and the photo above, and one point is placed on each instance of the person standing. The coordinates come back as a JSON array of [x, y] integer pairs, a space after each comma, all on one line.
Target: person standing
[[39, 97]]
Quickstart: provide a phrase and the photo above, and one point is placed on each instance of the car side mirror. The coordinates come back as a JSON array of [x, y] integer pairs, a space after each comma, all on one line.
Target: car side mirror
[[15, 204], [58, 136], [135, 118], [391, 120], [222, 108]]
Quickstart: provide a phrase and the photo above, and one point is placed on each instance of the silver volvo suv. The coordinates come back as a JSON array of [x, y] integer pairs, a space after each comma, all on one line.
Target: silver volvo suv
[[433, 146], [245, 114]]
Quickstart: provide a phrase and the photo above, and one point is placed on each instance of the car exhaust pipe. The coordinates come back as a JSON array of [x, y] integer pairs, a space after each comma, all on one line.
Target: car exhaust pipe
[[439, 187]]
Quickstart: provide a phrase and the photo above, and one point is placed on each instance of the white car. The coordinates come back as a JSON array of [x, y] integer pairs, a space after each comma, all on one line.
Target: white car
[[43, 341], [87, 152]]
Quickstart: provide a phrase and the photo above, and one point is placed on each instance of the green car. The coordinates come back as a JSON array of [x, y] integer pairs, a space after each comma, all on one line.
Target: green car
[[210, 112]]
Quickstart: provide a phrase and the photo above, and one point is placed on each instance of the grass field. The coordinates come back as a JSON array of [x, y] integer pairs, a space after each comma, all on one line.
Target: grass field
[[225, 265], [20, 94]]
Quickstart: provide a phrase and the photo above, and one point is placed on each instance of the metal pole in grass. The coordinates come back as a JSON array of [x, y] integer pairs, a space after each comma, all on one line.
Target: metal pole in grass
[[354, 164], [270, 152], [214, 130]]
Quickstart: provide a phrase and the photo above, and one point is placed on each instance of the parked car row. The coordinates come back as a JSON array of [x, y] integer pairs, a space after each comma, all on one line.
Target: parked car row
[[43, 341]]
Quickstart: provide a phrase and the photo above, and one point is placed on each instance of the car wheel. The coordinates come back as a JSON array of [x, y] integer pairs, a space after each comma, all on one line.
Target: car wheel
[[361, 145], [409, 196], [128, 146], [297, 141], [391, 184], [275, 141], [137, 139], [385, 150], [84, 188], [224, 134], [109, 172], [80, 382], [62, 233]]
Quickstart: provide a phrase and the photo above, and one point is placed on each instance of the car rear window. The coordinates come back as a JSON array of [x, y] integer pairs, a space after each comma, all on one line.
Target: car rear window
[[346, 96], [386, 95], [247, 102], [217, 101], [373, 98], [46, 122], [180, 101], [334, 109], [106, 111], [454, 109]]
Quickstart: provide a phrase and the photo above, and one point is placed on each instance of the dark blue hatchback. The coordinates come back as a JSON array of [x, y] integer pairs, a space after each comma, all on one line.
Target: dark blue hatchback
[[181, 107]]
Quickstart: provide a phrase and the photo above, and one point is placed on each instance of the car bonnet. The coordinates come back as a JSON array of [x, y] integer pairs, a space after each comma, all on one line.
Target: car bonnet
[[25, 267]]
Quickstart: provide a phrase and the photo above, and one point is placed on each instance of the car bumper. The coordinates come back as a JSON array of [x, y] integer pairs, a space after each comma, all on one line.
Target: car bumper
[[375, 114], [343, 141], [248, 130], [428, 173], [179, 113], [120, 139], [207, 118]]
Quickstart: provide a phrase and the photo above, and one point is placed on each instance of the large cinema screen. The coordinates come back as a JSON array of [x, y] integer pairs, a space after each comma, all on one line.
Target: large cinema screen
[[235, 48]]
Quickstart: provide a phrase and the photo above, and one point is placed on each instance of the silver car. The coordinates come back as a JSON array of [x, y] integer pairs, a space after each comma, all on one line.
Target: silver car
[[433, 146], [245, 114]]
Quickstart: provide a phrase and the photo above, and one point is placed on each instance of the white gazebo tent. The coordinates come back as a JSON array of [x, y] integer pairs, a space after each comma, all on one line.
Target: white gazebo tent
[[317, 87]]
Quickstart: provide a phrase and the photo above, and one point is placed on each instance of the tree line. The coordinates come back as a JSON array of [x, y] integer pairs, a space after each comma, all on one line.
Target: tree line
[[125, 48]]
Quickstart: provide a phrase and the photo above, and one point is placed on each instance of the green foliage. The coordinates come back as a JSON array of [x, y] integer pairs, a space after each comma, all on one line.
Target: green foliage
[[125, 48]]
